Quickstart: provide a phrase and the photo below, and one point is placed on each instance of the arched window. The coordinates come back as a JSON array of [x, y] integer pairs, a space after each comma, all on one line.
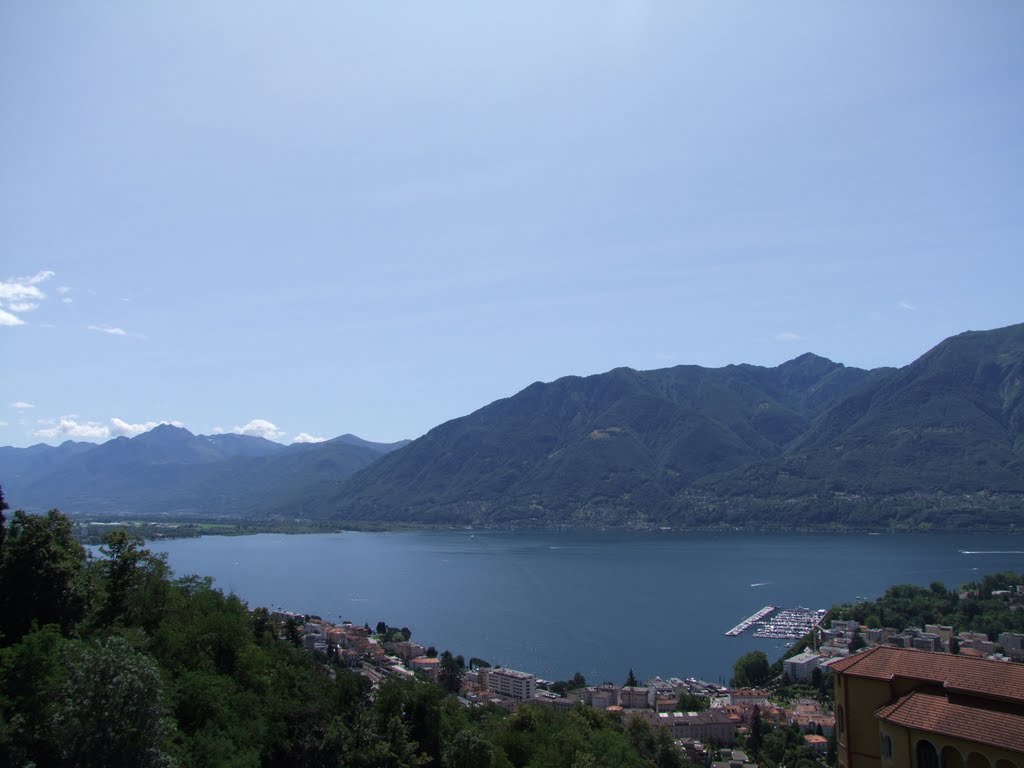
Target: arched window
[[926, 755], [886, 746]]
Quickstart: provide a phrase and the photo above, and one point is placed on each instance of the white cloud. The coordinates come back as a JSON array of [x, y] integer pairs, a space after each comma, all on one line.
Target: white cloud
[[21, 405], [62, 289], [260, 428], [21, 294], [907, 305], [69, 428], [305, 437], [3, 423], [66, 300], [218, 431], [788, 336], [120, 427], [6, 318], [112, 330]]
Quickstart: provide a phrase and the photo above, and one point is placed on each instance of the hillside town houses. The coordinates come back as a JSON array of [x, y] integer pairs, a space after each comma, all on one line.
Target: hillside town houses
[[730, 713]]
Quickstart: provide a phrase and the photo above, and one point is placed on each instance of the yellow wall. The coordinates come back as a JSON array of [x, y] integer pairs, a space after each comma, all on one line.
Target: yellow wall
[[955, 753], [859, 743]]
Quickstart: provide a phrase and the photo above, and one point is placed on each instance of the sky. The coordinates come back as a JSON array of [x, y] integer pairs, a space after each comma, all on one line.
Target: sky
[[302, 220]]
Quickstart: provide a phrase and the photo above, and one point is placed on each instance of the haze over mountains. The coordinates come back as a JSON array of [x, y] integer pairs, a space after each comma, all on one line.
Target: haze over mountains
[[810, 443], [168, 470]]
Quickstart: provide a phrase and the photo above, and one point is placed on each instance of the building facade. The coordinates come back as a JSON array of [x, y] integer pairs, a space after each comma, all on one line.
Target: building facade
[[904, 708], [521, 686]]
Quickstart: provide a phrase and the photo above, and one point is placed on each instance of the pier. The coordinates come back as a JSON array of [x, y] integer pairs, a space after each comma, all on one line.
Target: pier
[[748, 622]]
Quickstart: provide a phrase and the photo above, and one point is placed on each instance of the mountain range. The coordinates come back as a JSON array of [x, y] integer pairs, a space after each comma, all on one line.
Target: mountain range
[[170, 471], [810, 443]]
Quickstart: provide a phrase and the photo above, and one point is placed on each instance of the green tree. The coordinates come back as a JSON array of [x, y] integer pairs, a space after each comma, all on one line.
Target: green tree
[[751, 669], [451, 673], [42, 575], [3, 522], [756, 739], [468, 750], [631, 681], [110, 710], [136, 581], [31, 676]]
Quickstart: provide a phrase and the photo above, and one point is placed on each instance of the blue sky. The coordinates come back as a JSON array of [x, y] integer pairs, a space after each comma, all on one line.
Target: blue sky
[[375, 217]]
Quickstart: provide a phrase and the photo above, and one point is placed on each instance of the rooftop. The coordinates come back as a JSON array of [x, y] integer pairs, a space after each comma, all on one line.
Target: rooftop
[[982, 677], [935, 713]]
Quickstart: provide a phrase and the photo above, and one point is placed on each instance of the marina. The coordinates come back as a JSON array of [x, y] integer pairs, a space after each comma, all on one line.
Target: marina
[[750, 621], [790, 624]]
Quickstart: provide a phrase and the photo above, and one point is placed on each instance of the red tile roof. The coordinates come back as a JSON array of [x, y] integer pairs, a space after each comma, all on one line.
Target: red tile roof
[[936, 714], [981, 677]]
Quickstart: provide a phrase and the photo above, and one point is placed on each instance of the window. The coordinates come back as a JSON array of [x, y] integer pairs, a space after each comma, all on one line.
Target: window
[[886, 746], [842, 721]]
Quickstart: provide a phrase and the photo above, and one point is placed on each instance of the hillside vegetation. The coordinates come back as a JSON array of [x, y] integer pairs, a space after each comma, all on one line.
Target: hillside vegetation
[[939, 443], [111, 662]]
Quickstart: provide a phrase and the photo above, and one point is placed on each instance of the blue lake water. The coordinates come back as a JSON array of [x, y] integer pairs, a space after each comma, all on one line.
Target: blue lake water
[[554, 603]]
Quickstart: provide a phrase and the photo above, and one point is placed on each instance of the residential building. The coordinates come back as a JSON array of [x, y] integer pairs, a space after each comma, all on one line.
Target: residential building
[[636, 697], [521, 686], [927, 642], [430, 665], [904, 708], [802, 666], [944, 632], [714, 725], [1013, 645]]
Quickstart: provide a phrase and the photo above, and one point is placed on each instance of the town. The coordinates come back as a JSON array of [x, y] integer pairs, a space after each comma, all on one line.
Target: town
[[724, 715]]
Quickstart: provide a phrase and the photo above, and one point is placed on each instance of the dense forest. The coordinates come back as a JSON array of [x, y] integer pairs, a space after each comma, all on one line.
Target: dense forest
[[109, 661]]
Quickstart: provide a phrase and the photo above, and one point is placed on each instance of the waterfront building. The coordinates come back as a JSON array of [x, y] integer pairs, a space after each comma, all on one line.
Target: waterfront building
[[521, 686], [904, 708]]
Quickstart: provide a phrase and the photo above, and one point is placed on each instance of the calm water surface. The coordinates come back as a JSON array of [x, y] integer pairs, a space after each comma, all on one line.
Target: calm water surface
[[554, 603]]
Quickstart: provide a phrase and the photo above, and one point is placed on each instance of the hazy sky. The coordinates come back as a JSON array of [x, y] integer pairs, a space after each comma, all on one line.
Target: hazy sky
[[306, 219]]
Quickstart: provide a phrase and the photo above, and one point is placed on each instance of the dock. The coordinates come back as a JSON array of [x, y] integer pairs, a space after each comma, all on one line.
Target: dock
[[748, 622]]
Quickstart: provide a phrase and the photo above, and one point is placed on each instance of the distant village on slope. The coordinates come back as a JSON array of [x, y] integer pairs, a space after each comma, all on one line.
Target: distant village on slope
[[730, 712]]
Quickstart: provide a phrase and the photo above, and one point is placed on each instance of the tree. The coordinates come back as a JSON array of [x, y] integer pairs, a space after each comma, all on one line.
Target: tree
[[468, 750], [42, 575], [631, 681], [111, 711], [136, 581], [451, 673], [756, 739], [954, 645], [3, 522], [750, 670]]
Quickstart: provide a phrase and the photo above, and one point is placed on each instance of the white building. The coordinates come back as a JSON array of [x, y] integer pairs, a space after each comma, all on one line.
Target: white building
[[521, 686], [802, 666]]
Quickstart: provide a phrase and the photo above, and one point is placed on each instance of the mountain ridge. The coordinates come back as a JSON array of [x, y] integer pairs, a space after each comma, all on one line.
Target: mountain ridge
[[810, 443]]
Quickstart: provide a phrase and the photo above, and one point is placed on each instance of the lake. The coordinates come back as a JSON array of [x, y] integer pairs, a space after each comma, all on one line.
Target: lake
[[554, 603]]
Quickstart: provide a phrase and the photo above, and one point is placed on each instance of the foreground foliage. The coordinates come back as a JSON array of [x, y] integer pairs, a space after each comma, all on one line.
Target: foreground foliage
[[110, 662]]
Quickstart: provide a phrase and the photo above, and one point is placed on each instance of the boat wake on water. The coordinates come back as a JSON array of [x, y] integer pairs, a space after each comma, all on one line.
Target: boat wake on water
[[991, 552]]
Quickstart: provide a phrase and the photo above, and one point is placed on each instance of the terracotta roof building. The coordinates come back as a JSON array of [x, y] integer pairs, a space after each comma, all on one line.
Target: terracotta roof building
[[904, 708]]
